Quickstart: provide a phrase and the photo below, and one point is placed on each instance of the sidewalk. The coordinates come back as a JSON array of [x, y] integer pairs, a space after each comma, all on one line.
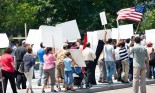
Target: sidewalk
[[96, 88]]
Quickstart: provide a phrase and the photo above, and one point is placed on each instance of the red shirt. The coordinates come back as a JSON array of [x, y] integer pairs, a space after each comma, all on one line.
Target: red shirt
[[6, 60]]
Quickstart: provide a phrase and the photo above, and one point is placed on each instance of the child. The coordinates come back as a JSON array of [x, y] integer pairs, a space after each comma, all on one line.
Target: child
[[68, 71]]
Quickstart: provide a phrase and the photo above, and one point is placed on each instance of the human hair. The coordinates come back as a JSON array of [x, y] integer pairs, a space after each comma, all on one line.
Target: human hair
[[137, 39], [122, 44], [109, 40], [41, 45], [87, 44], [47, 50], [127, 40], [12, 42], [8, 50], [29, 50], [67, 54]]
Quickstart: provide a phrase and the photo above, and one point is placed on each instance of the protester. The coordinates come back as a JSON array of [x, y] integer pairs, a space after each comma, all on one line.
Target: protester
[[102, 68], [29, 62], [19, 54], [139, 66], [13, 47], [131, 63], [68, 72], [109, 56], [151, 53], [8, 70], [124, 57], [40, 54], [118, 62], [60, 66], [143, 40], [49, 68], [89, 56]]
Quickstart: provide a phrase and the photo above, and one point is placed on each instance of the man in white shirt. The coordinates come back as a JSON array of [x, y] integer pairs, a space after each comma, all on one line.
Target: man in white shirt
[[109, 55], [89, 56]]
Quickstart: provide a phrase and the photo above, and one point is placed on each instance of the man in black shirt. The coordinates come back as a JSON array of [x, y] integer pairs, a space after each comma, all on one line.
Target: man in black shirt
[[19, 54]]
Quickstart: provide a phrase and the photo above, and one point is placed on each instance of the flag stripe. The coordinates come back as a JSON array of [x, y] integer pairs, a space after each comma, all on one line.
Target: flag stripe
[[133, 13]]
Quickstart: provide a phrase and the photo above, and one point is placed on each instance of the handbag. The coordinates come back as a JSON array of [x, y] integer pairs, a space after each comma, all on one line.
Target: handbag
[[76, 70], [21, 67]]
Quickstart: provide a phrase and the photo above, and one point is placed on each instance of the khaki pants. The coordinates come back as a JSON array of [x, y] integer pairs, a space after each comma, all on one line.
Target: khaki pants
[[139, 74], [125, 70]]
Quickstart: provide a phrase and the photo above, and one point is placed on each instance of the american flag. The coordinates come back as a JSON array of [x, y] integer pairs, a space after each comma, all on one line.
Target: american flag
[[133, 13]]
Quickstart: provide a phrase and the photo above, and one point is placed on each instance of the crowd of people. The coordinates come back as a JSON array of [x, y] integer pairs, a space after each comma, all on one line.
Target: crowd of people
[[130, 60]]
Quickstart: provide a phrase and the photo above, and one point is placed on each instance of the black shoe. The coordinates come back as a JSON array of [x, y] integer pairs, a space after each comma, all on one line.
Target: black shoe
[[54, 91], [39, 84], [18, 87]]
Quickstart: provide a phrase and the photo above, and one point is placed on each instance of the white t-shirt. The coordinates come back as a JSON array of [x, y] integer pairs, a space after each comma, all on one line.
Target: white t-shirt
[[117, 56], [108, 50]]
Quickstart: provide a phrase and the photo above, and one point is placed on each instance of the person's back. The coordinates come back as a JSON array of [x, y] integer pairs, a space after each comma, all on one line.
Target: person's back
[[67, 63], [20, 52], [40, 54], [139, 55], [139, 66], [108, 50]]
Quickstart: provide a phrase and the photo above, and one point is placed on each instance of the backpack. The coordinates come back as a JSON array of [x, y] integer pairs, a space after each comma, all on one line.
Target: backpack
[[152, 58]]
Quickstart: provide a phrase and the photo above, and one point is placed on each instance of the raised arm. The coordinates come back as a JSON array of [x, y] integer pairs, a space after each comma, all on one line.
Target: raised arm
[[104, 39]]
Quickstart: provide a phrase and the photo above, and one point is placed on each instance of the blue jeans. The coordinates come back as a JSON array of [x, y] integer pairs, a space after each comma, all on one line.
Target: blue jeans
[[110, 68], [130, 69], [68, 77], [40, 72]]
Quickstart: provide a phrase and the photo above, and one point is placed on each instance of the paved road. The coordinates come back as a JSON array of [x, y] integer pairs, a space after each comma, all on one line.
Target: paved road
[[150, 89], [99, 87]]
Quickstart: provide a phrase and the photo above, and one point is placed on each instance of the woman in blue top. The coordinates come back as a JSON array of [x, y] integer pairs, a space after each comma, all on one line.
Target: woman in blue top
[[68, 71]]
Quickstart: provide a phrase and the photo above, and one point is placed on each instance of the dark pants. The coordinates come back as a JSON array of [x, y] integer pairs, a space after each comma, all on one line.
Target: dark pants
[[89, 70], [119, 69], [10, 76], [130, 69], [151, 72], [20, 77]]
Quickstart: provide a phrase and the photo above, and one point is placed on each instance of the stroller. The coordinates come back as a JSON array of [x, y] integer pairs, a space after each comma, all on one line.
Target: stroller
[[80, 78]]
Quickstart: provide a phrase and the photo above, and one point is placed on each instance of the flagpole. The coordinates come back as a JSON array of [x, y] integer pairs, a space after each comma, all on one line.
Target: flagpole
[[137, 28], [118, 31]]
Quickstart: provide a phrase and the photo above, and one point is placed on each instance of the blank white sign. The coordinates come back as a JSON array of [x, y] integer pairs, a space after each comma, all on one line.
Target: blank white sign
[[114, 33], [31, 38], [70, 31], [4, 41], [150, 36], [126, 31], [103, 18], [77, 56], [52, 36]]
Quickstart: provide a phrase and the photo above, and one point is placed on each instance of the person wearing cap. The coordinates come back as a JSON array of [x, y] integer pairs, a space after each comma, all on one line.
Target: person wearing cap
[[140, 65], [19, 54], [151, 71]]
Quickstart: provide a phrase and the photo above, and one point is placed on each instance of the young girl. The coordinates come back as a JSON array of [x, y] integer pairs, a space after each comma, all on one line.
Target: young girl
[[68, 71]]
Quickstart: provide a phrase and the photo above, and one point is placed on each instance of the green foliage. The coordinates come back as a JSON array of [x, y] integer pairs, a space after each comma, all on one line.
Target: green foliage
[[14, 13]]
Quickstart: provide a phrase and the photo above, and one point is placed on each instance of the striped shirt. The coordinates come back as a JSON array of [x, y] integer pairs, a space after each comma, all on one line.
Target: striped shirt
[[123, 53]]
